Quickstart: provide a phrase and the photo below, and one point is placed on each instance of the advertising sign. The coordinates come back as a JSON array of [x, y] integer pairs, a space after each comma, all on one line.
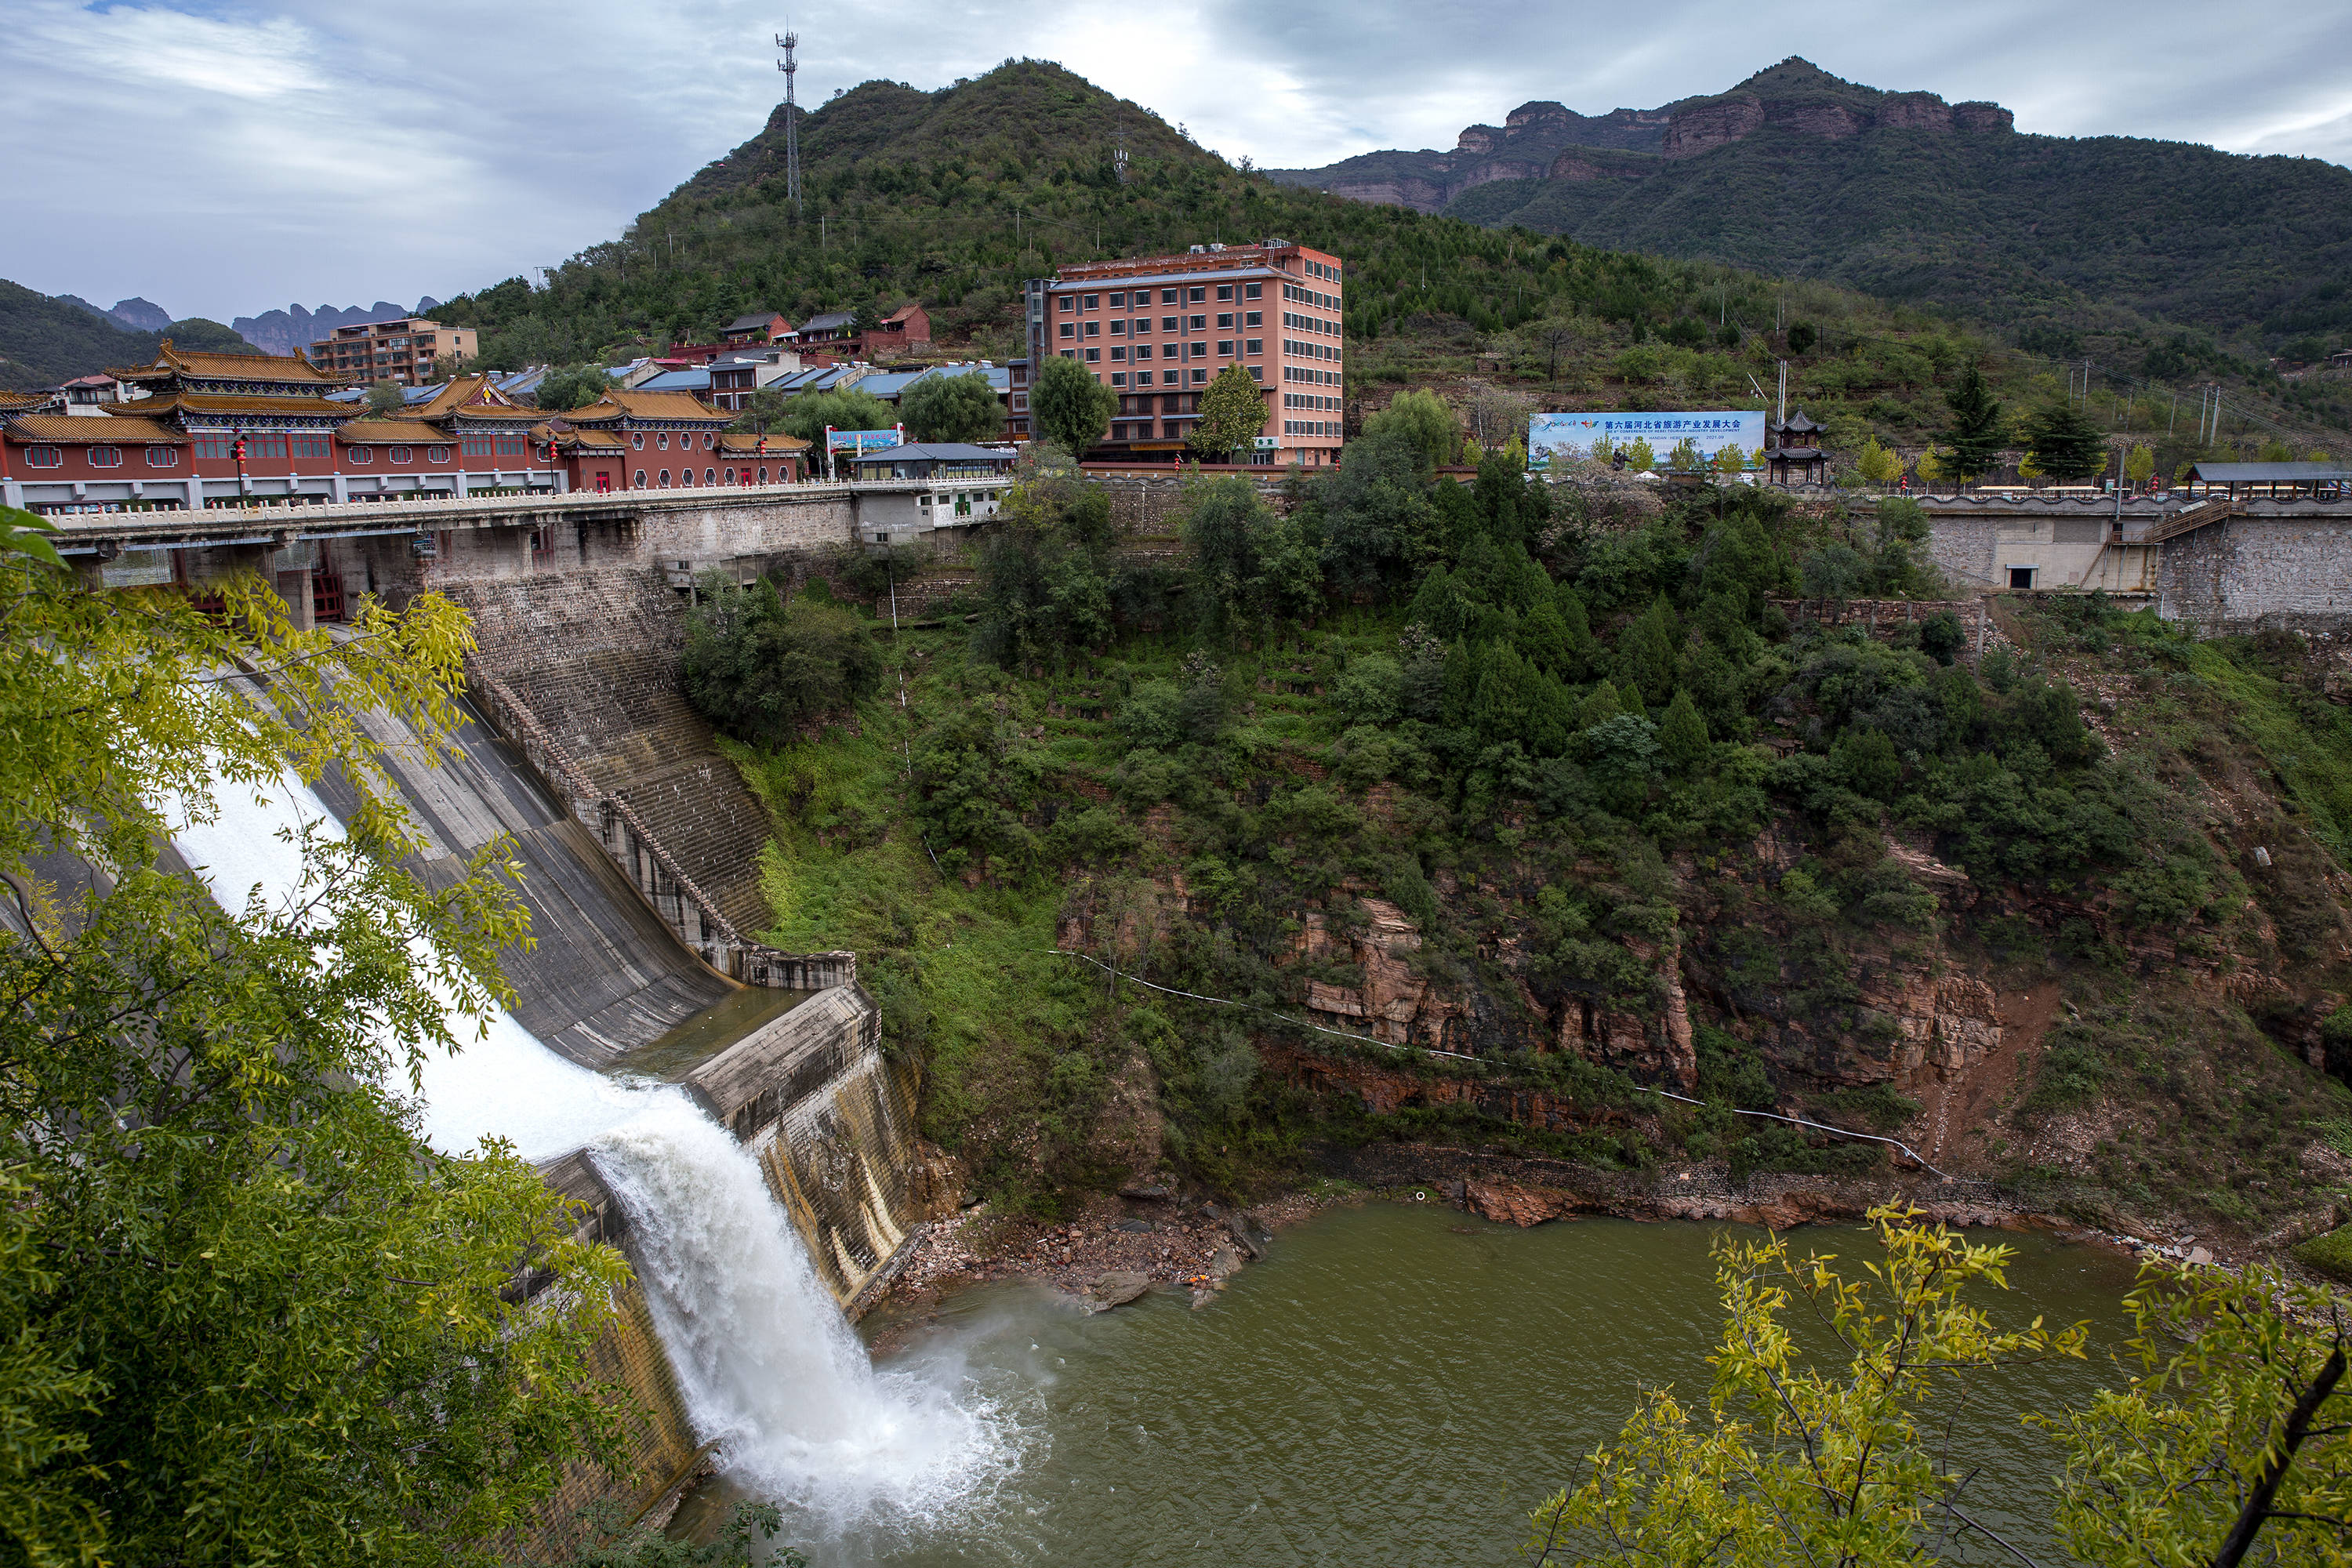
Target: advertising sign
[[1572, 436], [857, 442]]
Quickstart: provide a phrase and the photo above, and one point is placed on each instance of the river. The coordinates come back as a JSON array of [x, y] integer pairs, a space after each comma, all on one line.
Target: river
[[1394, 1383]]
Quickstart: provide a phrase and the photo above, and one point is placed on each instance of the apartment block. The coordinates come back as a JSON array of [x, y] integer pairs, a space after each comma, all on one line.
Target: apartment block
[[1157, 329], [401, 351]]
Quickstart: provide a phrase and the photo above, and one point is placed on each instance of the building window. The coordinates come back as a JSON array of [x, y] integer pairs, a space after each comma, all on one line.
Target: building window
[[638, 441], [1094, 329], [1199, 323], [709, 475], [1069, 354], [401, 454], [764, 475], [1224, 292], [1225, 321], [265, 446], [1069, 328], [1118, 353], [664, 479], [641, 478], [1253, 290], [1168, 296], [43, 457], [432, 454], [1256, 373], [1171, 377], [475, 445], [162, 457], [662, 441], [359, 457], [1199, 294], [2020, 577], [1119, 302], [511, 446], [1254, 346], [1069, 301], [1254, 318], [1119, 329], [1225, 348], [1094, 302], [213, 448], [311, 446], [1200, 373], [1142, 323], [1118, 378]]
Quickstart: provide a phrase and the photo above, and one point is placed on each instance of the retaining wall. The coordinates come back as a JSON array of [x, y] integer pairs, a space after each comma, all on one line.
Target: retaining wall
[[832, 1120], [2287, 570]]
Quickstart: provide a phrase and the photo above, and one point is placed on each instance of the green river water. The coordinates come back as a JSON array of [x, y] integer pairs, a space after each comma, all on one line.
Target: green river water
[[1396, 1384]]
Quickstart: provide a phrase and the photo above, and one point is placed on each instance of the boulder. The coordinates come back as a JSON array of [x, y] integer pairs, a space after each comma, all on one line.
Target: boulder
[[1115, 1288]]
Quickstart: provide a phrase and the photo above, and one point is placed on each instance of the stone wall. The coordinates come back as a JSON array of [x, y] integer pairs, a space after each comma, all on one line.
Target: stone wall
[[1885, 619], [2281, 570]]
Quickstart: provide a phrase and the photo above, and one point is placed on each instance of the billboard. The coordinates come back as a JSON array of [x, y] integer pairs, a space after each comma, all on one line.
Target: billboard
[[1572, 436], [859, 442]]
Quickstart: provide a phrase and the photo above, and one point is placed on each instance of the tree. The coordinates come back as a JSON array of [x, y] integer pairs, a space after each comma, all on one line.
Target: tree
[[2065, 444], [760, 667], [2029, 470], [383, 400], [2140, 466], [1685, 457], [1641, 457], [248, 1314], [574, 386], [1071, 405], [1423, 422], [2236, 1430], [1682, 734], [947, 406], [1233, 411], [1730, 461], [1044, 572], [1802, 336], [1498, 416], [1976, 432], [1933, 467], [1789, 1462], [1879, 465], [1645, 659]]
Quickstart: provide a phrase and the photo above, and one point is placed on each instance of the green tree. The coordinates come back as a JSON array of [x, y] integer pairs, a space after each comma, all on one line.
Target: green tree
[[1802, 336], [573, 386], [948, 405], [1685, 457], [2066, 445], [383, 400], [1789, 1462], [2233, 1441], [1233, 411], [1682, 734], [759, 667], [248, 1315], [1878, 464], [1644, 658], [1071, 405], [1641, 457], [1044, 572], [1424, 423], [2140, 466], [1976, 432]]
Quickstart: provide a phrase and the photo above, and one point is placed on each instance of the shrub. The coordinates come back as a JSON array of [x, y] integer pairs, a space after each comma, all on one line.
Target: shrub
[[760, 667]]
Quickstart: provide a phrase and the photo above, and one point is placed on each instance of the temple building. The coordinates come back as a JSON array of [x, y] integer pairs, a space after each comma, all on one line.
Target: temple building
[[1792, 452]]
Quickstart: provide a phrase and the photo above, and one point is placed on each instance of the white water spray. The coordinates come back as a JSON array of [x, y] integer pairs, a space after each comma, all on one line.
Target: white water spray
[[762, 1354]]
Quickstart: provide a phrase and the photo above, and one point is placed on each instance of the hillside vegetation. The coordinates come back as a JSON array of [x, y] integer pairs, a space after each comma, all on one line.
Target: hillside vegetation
[[953, 197], [1569, 781], [44, 340]]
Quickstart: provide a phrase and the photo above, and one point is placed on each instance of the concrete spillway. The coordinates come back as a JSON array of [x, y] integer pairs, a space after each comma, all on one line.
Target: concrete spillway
[[750, 1150], [605, 976]]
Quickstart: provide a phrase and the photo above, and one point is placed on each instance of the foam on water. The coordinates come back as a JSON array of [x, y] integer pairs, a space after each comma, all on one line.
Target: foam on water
[[762, 1356]]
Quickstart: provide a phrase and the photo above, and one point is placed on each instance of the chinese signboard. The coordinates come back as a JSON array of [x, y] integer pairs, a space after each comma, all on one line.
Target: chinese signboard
[[1572, 436]]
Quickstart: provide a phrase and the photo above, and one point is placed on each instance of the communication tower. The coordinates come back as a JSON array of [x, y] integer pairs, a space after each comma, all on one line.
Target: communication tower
[[789, 42]]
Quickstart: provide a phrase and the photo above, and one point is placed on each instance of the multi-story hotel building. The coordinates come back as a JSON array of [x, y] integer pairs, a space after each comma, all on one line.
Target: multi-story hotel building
[[1157, 329], [401, 351]]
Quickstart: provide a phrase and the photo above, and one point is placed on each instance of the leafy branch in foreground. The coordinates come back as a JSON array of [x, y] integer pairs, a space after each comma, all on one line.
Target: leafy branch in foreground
[[1793, 1463]]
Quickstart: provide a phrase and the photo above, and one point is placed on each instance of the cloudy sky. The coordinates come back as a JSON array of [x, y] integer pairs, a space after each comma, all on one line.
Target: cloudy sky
[[223, 159]]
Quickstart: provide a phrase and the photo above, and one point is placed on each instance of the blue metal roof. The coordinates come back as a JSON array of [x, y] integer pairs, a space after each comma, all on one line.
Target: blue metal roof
[[890, 384], [677, 381]]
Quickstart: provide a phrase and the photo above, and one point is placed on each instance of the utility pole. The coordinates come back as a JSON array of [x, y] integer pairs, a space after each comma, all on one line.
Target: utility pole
[[1783, 418], [790, 42]]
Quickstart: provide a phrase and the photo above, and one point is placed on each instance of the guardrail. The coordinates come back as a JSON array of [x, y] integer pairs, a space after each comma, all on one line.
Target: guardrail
[[651, 868]]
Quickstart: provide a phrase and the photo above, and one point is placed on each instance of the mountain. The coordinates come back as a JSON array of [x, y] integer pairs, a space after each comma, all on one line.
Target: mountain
[[293, 329], [1799, 171], [133, 314], [45, 340]]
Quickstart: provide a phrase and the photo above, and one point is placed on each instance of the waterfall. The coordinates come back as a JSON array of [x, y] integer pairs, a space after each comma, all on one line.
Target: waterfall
[[764, 1359]]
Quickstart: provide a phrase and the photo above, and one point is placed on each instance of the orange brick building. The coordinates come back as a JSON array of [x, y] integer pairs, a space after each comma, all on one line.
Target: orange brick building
[[1157, 329]]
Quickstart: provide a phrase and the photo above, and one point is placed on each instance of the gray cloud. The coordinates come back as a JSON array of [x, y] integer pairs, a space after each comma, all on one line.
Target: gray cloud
[[227, 159]]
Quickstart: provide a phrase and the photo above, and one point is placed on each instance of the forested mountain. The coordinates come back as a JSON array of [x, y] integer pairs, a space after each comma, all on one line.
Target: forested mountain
[[45, 340], [1796, 171], [953, 197]]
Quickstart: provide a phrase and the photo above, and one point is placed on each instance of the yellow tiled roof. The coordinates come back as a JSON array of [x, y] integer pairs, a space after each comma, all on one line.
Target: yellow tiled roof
[[227, 402], [736, 441], [64, 428], [170, 361], [473, 395], [620, 402]]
